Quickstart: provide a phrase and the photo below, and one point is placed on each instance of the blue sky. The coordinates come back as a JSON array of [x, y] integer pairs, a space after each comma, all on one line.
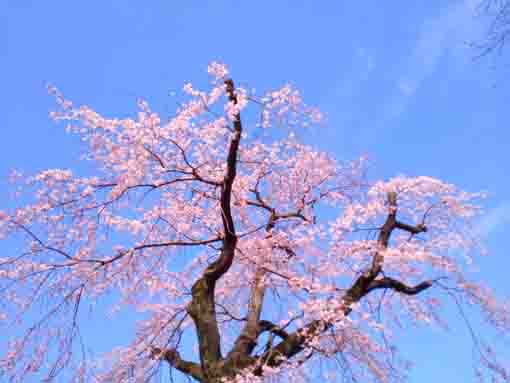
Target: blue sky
[[396, 80]]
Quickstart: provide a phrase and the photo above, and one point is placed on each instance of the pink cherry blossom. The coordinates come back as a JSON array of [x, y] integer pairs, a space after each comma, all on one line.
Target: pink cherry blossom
[[278, 257]]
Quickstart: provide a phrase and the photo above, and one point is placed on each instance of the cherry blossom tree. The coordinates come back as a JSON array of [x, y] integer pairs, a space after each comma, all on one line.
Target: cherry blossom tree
[[294, 260]]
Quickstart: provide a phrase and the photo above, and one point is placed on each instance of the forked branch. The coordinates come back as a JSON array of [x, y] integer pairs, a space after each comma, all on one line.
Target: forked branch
[[292, 344]]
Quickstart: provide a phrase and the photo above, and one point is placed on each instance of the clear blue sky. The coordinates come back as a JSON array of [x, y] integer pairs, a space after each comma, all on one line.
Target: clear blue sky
[[395, 79]]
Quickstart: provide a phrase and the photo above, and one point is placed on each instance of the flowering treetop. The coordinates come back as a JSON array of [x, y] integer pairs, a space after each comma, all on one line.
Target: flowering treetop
[[293, 258]]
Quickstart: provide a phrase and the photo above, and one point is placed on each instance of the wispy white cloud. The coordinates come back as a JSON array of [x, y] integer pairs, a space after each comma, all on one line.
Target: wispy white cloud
[[438, 35], [496, 219], [347, 90]]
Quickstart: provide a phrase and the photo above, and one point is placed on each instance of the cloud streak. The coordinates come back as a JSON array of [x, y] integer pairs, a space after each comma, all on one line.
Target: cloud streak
[[437, 36], [495, 219]]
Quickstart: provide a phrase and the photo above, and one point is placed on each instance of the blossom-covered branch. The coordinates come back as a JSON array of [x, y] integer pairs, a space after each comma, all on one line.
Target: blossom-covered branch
[[276, 257]]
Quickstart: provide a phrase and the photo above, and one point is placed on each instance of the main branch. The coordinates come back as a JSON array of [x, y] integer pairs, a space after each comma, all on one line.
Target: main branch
[[202, 306]]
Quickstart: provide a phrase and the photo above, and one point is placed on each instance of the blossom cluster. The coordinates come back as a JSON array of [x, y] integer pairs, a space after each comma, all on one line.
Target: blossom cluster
[[148, 223]]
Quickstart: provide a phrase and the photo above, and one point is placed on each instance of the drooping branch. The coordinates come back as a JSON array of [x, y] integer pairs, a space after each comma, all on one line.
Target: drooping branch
[[104, 262], [193, 169]]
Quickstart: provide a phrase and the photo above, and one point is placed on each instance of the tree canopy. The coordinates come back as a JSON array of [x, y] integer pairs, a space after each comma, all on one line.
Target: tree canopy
[[293, 259]]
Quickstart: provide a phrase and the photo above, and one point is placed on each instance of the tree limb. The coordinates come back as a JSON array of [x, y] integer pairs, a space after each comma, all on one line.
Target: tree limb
[[292, 344], [420, 228], [202, 306], [247, 340], [390, 283], [295, 342], [174, 359], [265, 325], [220, 266]]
